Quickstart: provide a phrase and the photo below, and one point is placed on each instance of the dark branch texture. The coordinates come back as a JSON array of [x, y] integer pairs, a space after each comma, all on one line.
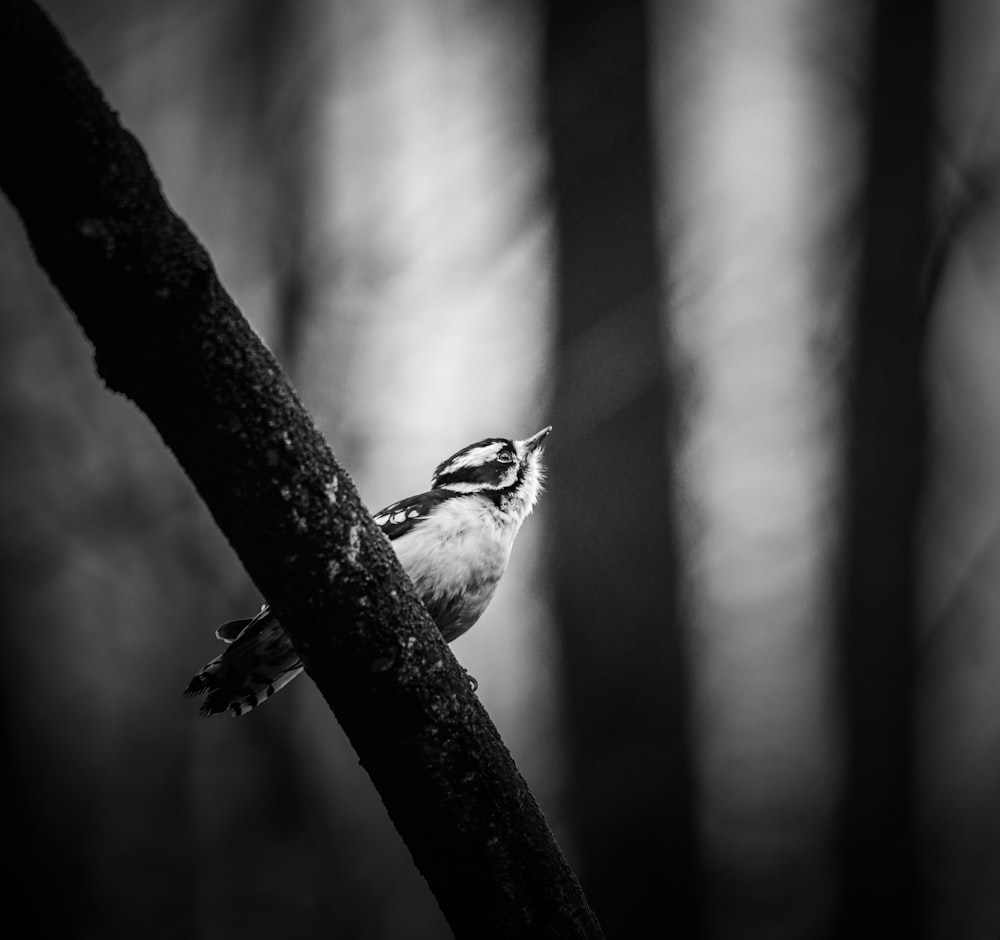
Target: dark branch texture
[[167, 335]]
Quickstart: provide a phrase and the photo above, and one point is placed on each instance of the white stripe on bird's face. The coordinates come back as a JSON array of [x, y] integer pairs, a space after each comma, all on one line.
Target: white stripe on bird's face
[[474, 456], [467, 486]]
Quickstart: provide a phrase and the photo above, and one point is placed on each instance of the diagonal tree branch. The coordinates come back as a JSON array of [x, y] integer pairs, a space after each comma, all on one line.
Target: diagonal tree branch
[[167, 335]]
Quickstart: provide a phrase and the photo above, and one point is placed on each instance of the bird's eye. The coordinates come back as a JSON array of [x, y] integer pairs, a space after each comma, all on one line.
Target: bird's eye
[[505, 456]]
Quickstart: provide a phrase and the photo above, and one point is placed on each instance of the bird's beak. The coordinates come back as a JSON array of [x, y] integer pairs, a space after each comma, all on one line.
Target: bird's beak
[[535, 441]]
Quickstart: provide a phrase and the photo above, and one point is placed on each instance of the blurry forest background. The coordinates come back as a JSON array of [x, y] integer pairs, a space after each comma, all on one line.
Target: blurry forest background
[[740, 254]]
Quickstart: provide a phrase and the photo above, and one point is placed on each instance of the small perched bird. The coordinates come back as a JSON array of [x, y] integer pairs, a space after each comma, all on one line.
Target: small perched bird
[[454, 542]]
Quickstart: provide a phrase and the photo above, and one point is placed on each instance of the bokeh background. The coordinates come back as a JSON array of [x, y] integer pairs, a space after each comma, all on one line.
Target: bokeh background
[[742, 255]]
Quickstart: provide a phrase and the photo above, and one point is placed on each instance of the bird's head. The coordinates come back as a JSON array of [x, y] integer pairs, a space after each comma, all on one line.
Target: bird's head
[[509, 473]]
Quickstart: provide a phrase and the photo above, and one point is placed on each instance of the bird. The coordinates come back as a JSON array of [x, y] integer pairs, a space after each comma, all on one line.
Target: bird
[[454, 542]]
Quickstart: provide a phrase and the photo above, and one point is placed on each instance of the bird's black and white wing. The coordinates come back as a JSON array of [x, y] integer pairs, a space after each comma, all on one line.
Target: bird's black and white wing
[[400, 517]]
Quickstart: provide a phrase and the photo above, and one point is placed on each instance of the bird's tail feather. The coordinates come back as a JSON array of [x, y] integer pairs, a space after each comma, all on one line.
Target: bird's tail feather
[[258, 661]]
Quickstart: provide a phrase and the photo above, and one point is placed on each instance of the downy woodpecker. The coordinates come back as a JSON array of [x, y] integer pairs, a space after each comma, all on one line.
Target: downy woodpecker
[[453, 541]]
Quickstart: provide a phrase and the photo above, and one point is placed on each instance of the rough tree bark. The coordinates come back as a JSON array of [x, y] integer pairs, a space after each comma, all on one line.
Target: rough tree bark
[[167, 335]]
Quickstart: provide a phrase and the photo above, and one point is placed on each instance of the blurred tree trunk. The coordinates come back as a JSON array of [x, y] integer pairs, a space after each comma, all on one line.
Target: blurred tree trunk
[[885, 474], [276, 71], [629, 790]]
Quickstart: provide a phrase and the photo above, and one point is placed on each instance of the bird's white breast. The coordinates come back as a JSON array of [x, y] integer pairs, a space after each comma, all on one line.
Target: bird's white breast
[[461, 550], [460, 542]]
